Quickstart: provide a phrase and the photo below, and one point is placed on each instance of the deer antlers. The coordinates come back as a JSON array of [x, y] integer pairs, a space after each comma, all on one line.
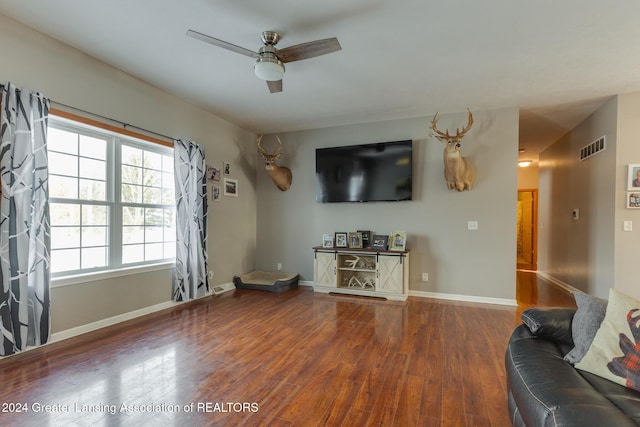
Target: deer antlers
[[444, 136], [275, 155]]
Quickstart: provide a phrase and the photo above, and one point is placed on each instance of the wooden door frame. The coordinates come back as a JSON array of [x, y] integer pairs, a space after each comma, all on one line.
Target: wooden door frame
[[534, 265]]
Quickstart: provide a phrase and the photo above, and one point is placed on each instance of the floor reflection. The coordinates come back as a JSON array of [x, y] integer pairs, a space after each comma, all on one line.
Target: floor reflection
[[532, 290]]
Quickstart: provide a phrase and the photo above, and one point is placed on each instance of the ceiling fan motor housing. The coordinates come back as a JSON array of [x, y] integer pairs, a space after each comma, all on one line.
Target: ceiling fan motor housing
[[268, 67]]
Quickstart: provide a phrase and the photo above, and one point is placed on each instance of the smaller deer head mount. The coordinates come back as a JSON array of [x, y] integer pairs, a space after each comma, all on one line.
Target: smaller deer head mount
[[458, 171], [280, 175]]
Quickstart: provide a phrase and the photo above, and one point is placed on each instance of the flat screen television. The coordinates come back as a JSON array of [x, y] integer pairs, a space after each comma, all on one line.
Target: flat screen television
[[364, 173]]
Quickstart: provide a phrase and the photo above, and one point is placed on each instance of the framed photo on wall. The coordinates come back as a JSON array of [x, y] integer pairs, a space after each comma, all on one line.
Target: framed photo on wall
[[215, 193], [633, 177], [633, 200], [231, 187], [213, 174], [341, 240], [398, 241]]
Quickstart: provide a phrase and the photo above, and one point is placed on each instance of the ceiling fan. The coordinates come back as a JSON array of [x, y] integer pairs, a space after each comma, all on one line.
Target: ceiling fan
[[270, 61]]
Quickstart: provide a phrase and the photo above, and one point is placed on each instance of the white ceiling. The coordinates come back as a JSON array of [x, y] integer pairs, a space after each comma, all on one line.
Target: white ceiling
[[556, 60]]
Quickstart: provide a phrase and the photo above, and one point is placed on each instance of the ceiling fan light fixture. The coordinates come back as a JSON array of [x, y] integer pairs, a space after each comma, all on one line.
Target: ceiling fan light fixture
[[269, 68]]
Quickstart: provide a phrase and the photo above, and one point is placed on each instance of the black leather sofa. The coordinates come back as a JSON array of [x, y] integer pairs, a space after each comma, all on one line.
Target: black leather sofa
[[545, 390]]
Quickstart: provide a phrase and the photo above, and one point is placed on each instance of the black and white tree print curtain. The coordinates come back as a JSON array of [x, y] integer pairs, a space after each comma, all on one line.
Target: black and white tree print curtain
[[190, 276], [24, 221]]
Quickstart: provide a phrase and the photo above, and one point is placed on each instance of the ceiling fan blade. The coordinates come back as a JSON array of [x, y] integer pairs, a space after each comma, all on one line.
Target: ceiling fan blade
[[309, 50], [275, 87], [223, 44]]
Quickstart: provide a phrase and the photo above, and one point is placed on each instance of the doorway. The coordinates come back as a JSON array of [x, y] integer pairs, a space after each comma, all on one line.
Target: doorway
[[527, 232]]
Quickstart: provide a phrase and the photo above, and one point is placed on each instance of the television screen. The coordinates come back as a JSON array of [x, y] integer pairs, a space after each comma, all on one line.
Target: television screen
[[364, 173]]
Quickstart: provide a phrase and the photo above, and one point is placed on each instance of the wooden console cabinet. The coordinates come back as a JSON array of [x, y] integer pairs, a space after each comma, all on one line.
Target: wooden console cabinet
[[367, 272]]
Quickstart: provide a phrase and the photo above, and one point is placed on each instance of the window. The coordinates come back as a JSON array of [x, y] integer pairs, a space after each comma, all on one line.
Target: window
[[111, 200]]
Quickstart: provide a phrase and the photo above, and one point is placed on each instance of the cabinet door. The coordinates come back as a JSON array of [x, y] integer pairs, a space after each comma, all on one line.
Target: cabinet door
[[324, 273], [390, 274]]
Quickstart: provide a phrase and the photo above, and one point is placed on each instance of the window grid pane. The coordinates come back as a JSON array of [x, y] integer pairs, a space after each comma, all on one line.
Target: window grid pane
[[81, 186]]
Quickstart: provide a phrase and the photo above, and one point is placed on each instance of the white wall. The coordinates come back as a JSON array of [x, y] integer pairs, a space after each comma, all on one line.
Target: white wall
[[462, 262], [528, 178], [67, 76]]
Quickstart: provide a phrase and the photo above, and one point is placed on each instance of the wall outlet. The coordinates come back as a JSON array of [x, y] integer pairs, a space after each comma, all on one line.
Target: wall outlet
[[425, 277], [472, 225], [279, 266], [210, 274]]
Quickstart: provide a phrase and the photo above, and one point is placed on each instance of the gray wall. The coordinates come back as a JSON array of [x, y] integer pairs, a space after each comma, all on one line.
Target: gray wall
[[70, 77], [580, 252], [627, 243], [461, 262]]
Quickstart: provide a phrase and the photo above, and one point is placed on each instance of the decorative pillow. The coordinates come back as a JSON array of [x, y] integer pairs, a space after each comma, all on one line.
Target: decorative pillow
[[586, 321], [615, 351]]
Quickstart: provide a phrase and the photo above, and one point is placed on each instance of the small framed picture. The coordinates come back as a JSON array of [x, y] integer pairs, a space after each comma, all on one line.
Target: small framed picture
[[633, 178], [227, 168], [231, 187], [355, 239], [341, 240], [327, 240], [213, 174], [633, 200], [379, 241], [398, 241], [366, 237], [215, 193]]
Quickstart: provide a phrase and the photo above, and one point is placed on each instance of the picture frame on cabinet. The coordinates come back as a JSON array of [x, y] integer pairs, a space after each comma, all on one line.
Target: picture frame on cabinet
[[341, 240], [398, 241], [380, 242], [327, 240], [366, 238], [355, 240]]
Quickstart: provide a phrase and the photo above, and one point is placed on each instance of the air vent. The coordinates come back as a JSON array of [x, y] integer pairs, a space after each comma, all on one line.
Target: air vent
[[594, 148]]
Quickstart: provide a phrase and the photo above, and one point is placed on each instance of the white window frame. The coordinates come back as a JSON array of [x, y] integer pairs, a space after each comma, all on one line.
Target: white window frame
[[115, 267]]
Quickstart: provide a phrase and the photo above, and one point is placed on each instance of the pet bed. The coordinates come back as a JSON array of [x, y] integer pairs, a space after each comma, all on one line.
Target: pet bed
[[267, 281]]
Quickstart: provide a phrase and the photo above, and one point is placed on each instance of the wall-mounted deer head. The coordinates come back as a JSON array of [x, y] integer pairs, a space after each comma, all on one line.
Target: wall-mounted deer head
[[458, 171], [280, 175]]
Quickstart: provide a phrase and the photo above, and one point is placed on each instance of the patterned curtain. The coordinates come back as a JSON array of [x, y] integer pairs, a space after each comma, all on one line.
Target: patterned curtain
[[24, 221], [190, 275]]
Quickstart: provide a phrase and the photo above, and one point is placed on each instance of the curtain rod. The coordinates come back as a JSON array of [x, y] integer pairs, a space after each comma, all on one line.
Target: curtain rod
[[123, 124]]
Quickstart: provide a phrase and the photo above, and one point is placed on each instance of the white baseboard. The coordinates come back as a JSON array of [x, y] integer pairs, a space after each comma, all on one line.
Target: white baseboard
[[305, 283], [451, 297], [225, 287], [110, 321], [557, 282], [465, 298]]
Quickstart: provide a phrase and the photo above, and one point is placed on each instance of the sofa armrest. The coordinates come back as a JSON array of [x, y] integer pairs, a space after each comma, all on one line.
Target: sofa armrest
[[553, 324], [545, 390]]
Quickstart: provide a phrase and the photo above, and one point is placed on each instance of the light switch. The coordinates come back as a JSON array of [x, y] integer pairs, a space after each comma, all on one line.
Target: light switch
[[627, 225]]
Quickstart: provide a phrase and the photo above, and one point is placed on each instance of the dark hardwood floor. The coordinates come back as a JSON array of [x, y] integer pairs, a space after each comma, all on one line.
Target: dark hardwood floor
[[293, 359]]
